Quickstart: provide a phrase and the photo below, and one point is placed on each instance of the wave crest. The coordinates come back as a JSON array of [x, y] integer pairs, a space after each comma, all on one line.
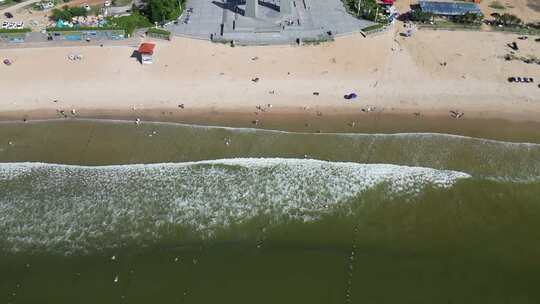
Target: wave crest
[[71, 209]]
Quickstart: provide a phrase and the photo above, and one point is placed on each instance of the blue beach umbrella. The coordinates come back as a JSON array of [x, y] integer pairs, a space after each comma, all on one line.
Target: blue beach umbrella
[[350, 96]]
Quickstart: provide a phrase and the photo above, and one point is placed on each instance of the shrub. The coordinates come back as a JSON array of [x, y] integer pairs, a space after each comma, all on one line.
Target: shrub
[[534, 25], [158, 31], [15, 31], [420, 16], [373, 27], [66, 13], [508, 20], [469, 18]]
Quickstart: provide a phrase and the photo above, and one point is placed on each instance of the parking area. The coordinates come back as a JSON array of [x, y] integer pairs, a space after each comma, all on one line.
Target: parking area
[[200, 19], [12, 25], [310, 19], [331, 15]]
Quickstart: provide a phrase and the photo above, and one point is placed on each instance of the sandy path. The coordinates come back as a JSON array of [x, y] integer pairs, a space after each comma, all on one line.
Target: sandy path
[[14, 8]]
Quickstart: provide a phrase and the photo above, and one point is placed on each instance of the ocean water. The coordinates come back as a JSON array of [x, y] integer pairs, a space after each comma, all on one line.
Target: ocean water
[[74, 209], [167, 213]]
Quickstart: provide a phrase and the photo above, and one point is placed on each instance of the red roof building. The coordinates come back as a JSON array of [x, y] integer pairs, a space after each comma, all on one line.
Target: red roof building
[[146, 48]]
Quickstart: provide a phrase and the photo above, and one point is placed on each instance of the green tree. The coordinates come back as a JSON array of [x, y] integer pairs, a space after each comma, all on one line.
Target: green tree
[[78, 11], [368, 8], [162, 10], [131, 22], [66, 13], [58, 14]]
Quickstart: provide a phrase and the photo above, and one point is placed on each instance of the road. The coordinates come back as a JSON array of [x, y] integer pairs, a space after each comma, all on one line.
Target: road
[[12, 9]]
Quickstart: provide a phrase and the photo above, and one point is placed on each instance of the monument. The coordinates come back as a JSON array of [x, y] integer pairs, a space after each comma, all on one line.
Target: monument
[[264, 22], [285, 8], [251, 8]]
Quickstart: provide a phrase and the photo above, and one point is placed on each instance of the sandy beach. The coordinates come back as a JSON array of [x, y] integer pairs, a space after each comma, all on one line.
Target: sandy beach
[[390, 74]]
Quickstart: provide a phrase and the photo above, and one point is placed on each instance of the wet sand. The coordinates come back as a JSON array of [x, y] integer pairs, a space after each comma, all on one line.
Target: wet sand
[[315, 121]]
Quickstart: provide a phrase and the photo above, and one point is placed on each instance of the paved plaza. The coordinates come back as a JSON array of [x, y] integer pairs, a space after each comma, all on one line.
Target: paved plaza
[[226, 20]]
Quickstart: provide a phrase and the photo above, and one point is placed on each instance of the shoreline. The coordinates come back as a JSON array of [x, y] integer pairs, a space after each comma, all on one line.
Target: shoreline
[[97, 143], [309, 122]]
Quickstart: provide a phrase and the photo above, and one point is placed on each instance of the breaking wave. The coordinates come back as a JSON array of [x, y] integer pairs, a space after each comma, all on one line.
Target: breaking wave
[[77, 209]]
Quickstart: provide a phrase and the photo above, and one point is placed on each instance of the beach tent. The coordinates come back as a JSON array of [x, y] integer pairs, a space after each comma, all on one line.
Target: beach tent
[[60, 23]]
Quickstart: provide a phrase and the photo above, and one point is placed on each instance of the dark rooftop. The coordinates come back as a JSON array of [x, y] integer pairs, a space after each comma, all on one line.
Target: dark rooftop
[[449, 8]]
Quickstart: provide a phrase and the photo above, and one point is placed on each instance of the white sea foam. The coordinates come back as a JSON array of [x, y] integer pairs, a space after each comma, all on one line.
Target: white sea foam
[[76, 208]]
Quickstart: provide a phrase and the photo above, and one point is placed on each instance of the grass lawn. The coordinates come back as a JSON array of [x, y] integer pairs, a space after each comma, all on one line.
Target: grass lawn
[[15, 31], [131, 22], [373, 27], [121, 2]]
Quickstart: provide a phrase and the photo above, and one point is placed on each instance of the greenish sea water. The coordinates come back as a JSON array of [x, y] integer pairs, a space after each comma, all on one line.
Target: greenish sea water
[[250, 216]]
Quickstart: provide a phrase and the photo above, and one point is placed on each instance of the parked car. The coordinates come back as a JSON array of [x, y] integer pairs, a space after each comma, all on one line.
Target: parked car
[[5, 24], [521, 79], [8, 15]]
